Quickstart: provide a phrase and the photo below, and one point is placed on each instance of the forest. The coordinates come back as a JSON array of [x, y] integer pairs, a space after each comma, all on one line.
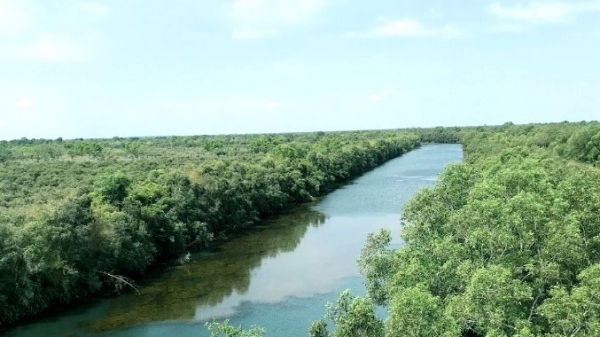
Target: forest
[[86, 217], [506, 244]]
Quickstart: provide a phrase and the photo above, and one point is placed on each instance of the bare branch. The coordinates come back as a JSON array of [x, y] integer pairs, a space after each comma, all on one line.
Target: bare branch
[[122, 279]]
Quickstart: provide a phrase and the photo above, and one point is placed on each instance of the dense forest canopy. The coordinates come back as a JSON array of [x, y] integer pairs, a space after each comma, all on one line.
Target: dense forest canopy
[[505, 244], [79, 217]]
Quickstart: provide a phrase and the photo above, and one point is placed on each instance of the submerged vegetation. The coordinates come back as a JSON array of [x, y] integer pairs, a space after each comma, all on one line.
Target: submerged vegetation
[[211, 276], [78, 218], [506, 244]]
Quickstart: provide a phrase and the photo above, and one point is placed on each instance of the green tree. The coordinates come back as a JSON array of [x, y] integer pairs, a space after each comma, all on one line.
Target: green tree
[[225, 330], [414, 312], [318, 329], [113, 188], [375, 265], [352, 317], [575, 312]]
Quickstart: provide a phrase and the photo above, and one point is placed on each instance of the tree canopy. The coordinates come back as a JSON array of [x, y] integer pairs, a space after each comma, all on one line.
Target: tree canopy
[[80, 217], [506, 244]]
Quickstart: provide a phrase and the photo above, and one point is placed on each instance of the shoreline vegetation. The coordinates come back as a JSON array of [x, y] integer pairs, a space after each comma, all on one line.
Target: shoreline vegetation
[[505, 244], [82, 218]]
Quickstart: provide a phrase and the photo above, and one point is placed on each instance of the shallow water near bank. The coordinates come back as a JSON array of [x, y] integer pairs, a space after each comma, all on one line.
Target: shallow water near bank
[[278, 275]]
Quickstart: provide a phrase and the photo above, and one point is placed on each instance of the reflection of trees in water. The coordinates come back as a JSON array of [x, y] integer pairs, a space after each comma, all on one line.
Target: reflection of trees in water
[[210, 279]]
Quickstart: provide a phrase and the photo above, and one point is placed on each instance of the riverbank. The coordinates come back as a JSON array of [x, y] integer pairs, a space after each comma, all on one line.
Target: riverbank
[[121, 224], [279, 275]]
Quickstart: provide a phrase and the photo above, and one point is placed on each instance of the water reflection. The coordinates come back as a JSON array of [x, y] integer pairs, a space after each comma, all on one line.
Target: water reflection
[[384, 190], [197, 290], [278, 275]]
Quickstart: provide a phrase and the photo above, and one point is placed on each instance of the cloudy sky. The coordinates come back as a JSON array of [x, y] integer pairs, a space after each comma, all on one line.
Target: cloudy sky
[[71, 68]]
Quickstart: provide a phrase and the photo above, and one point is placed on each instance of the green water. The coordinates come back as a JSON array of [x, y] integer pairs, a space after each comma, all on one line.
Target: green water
[[278, 275]]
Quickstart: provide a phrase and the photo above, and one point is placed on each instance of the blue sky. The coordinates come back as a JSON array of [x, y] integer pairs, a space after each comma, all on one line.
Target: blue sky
[[71, 68]]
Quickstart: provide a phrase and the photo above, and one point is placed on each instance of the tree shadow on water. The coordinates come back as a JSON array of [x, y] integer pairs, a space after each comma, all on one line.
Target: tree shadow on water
[[209, 278]]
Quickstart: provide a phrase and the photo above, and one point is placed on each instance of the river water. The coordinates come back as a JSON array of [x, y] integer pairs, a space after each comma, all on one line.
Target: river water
[[278, 275]]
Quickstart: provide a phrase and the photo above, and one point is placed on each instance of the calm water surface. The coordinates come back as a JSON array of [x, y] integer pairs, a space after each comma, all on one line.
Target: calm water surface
[[279, 275]]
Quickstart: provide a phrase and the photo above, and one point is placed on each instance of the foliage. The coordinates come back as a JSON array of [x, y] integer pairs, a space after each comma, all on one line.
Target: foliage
[[318, 329], [374, 263], [225, 330], [506, 244], [77, 217], [352, 317]]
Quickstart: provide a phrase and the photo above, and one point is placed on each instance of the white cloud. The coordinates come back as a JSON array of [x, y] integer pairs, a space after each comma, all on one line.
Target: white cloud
[[24, 103], [252, 34], [166, 106], [380, 95], [47, 48], [272, 105], [253, 19], [16, 17], [409, 28], [23, 37], [375, 98], [31, 110], [95, 9], [509, 28], [54, 48], [435, 13], [383, 94], [220, 104], [543, 12]]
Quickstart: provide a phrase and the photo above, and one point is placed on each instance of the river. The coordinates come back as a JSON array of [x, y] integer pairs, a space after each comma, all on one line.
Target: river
[[278, 275]]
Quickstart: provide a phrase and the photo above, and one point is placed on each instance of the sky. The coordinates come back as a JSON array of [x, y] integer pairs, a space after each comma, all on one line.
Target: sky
[[91, 69]]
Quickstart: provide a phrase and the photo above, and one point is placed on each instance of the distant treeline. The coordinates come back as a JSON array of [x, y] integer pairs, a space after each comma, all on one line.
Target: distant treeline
[[77, 217], [506, 244]]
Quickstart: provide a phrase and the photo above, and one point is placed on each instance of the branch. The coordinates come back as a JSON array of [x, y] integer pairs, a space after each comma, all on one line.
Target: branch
[[121, 279], [533, 306]]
